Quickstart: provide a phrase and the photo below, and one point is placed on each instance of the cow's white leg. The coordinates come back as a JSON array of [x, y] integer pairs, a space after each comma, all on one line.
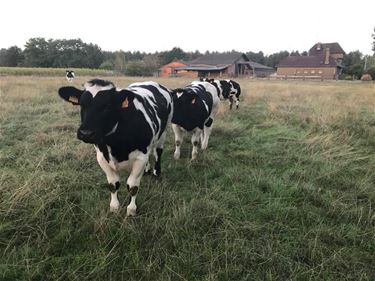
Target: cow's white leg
[[157, 154], [195, 141], [202, 137], [207, 132], [231, 101], [236, 101], [113, 179], [134, 180], [148, 168], [178, 138]]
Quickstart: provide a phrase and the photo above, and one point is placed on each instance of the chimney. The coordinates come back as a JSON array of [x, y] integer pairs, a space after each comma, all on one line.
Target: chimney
[[318, 46], [326, 55]]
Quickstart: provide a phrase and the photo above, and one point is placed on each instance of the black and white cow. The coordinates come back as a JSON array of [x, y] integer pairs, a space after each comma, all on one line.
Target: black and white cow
[[125, 126], [194, 109], [227, 89], [70, 75]]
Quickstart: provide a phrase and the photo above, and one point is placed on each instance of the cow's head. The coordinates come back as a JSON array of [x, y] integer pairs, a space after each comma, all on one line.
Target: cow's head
[[183, 97], [101, 105]]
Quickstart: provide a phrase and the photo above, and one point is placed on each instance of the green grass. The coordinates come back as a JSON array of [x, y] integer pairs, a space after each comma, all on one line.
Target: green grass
[[284, 192], [39, 71]]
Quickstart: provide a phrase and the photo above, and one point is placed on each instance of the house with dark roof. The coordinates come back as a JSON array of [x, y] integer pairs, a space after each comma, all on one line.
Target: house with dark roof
[[232, 64], [323, 62]]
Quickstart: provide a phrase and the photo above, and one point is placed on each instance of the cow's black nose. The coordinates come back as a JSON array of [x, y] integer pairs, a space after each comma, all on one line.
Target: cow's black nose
[[86, 135]]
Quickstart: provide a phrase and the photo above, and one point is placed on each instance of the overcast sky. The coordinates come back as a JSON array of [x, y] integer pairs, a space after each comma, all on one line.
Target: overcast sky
[[264, 25]]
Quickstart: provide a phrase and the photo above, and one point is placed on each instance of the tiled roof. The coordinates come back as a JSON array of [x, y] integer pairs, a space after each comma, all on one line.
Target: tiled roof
[[334, 48], [307, 61], [218, 59]]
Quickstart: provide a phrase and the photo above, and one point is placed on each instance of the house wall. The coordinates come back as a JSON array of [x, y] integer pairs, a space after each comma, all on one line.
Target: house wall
[[324, 72], [185, 73]]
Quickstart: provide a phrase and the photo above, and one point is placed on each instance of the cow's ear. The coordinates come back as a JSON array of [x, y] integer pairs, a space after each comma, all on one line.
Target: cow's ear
[[193, 98], [70, 94], [176, 91], [124, 99]]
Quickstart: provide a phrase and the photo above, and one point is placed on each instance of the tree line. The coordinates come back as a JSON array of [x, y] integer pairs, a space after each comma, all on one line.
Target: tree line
[[74, 53]]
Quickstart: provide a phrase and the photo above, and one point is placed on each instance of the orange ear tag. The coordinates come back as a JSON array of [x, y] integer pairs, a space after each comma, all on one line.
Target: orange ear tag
[[193, 101], [73, 99], [125, 103]]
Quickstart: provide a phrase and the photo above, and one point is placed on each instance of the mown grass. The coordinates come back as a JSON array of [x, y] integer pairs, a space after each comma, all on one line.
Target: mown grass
[[284, 192]]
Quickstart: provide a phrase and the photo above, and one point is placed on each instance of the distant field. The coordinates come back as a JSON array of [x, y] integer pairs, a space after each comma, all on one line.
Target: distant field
[[284, 192], [51, 71]]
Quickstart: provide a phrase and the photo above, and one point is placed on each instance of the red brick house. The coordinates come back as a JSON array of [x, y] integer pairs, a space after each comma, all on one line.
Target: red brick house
[[170, 69], [324, 62]]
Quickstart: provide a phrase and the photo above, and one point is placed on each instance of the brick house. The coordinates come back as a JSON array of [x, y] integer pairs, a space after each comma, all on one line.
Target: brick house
[[232, 64], [170, 69], [324, 62]]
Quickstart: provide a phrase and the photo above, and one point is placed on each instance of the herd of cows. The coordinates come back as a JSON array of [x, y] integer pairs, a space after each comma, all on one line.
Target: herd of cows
[[127, 125]]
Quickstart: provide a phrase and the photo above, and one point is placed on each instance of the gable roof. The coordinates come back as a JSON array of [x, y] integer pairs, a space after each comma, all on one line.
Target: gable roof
[[307, 61], [219, 59], [175, 63], [334, 48]]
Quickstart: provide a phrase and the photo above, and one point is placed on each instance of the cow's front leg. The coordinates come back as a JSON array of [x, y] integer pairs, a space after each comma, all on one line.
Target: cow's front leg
[[113, 179], [207, 132], [158, 151], [133, 182], [230, 101], [195, 141], [235, 100], [178, 137]]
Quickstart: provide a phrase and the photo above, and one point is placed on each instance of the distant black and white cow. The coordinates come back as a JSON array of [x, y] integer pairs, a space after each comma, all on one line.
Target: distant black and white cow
[[125, 126], [227, 89], [70, 75], [194, 109]]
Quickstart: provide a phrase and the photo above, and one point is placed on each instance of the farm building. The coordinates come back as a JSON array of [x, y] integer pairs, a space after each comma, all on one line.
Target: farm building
[[323, 62], [169, 70], [228, 64]]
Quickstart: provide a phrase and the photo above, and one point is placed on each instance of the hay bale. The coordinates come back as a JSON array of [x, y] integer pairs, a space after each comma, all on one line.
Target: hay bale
[[366, 77]]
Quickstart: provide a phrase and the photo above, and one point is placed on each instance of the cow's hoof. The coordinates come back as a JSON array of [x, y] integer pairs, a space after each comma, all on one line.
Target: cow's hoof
[[131, 212], [155, 173], [193, 158]]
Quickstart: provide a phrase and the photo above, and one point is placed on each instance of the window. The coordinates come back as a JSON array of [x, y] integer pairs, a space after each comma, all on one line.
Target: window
[[313, 71]]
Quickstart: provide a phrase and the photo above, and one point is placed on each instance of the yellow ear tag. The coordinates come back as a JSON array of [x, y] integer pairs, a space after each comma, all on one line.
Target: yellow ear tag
[[73, 99], [193, 101], [125, 103]]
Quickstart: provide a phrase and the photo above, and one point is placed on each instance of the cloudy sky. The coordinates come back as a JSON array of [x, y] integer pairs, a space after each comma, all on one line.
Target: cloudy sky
[[145, 25]]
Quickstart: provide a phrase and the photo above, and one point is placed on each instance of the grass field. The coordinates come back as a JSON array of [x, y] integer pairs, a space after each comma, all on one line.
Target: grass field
[[286, 191], [43, 71]]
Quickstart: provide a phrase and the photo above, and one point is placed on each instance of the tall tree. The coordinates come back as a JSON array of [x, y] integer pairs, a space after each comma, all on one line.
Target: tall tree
[[119, 61], [373, 42], [256, 57], [274, 59], [36, 50], [175, 53], [13, 56], [355, 57]]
